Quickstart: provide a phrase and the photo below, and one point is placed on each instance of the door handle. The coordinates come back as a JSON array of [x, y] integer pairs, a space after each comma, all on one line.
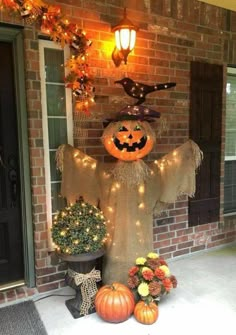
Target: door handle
[[13, 187]]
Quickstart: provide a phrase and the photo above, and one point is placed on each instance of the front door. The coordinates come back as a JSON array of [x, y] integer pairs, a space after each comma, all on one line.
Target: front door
[[11, 245]]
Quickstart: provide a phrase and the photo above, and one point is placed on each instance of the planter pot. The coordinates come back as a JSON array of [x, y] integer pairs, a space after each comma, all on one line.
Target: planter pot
[[84, 275]]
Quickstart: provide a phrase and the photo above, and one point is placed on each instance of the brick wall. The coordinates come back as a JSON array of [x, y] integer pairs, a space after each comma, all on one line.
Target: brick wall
[[172, 33]]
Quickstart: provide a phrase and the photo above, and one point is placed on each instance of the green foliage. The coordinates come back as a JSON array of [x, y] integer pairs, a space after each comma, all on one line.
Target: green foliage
[[80, 228]]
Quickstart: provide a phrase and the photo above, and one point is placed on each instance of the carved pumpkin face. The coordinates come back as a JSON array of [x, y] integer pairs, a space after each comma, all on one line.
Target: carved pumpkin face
[[128, 140]]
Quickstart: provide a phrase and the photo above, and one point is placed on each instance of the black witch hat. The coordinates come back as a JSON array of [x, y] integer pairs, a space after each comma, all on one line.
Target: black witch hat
[[134, 112]]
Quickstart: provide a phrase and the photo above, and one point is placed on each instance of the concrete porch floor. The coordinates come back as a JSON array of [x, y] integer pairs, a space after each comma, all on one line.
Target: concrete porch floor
[[204, 302]]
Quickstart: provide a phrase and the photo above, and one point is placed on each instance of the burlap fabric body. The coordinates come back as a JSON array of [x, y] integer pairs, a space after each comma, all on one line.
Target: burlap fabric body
[[129, 193]]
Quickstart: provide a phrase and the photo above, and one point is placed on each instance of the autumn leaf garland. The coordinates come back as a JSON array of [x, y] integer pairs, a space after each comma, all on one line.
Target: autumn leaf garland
[[53, 23]]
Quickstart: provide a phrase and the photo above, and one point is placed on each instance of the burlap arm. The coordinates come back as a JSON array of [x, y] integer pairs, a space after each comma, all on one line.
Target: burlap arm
[[176, 174], [79, 175]]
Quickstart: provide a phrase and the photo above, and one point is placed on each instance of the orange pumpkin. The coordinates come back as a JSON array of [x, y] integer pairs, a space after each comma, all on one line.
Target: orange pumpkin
[[114, 303], [128, 140], [146, 313]]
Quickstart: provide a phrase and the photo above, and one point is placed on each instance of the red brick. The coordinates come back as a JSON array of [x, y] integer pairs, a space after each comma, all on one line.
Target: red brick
[[11, 295], [177, 226], [2, 298], [48, 287], [185, 245], [181, 252], [20, 292], [165, 236]]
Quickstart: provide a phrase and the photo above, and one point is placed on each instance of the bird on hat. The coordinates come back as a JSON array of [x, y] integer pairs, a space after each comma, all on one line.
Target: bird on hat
[[139, 90]]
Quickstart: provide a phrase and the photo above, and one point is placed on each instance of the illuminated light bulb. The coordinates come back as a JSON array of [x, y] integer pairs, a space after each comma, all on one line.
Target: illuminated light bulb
[[137, 223], [141, 205], [87, 230], [161, 167], [93, 166], [152, 173], [110, 209], [76, 242], [113, 189], [77, 223], [62, 233], [117, 185], [67, 251], [141, 189], [174, 153], [63, 214], [76, 155], [156, 162], [95, 238]]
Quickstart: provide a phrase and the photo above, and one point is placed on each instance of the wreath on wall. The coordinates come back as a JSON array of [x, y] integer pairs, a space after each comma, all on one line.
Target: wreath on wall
[[52, 22]]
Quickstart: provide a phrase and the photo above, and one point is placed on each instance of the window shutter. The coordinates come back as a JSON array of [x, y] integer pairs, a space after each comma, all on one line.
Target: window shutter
[[206, 87]]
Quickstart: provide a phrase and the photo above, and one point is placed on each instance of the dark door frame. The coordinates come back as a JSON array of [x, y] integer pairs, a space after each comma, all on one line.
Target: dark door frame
[[14, 35]]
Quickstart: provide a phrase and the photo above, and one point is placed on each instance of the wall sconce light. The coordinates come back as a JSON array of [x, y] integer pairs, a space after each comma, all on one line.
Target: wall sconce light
[[125, 38]]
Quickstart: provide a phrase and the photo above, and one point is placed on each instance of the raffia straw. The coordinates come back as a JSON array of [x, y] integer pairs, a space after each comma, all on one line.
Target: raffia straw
[[59, 157], [131, 173]]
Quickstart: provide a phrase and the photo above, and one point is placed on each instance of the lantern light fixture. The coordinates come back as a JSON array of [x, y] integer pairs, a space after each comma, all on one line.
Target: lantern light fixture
[[125, 38]]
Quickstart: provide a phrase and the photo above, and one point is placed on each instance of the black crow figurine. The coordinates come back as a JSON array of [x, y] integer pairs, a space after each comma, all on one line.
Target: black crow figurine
[[139, 91]]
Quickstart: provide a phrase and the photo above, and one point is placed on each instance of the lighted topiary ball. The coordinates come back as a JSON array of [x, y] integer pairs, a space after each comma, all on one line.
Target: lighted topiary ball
[[80, 228]]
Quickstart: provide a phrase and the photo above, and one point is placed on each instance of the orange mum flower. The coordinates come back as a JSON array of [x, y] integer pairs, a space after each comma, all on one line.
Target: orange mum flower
[[133, 271], [159, 273], [148, 274], [167, 284]]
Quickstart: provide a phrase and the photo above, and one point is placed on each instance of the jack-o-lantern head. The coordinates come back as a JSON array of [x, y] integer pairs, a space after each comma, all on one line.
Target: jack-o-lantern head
[[128, 140]]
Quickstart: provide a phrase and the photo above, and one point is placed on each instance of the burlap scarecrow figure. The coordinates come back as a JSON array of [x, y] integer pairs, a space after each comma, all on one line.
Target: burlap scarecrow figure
[[130, 190]]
